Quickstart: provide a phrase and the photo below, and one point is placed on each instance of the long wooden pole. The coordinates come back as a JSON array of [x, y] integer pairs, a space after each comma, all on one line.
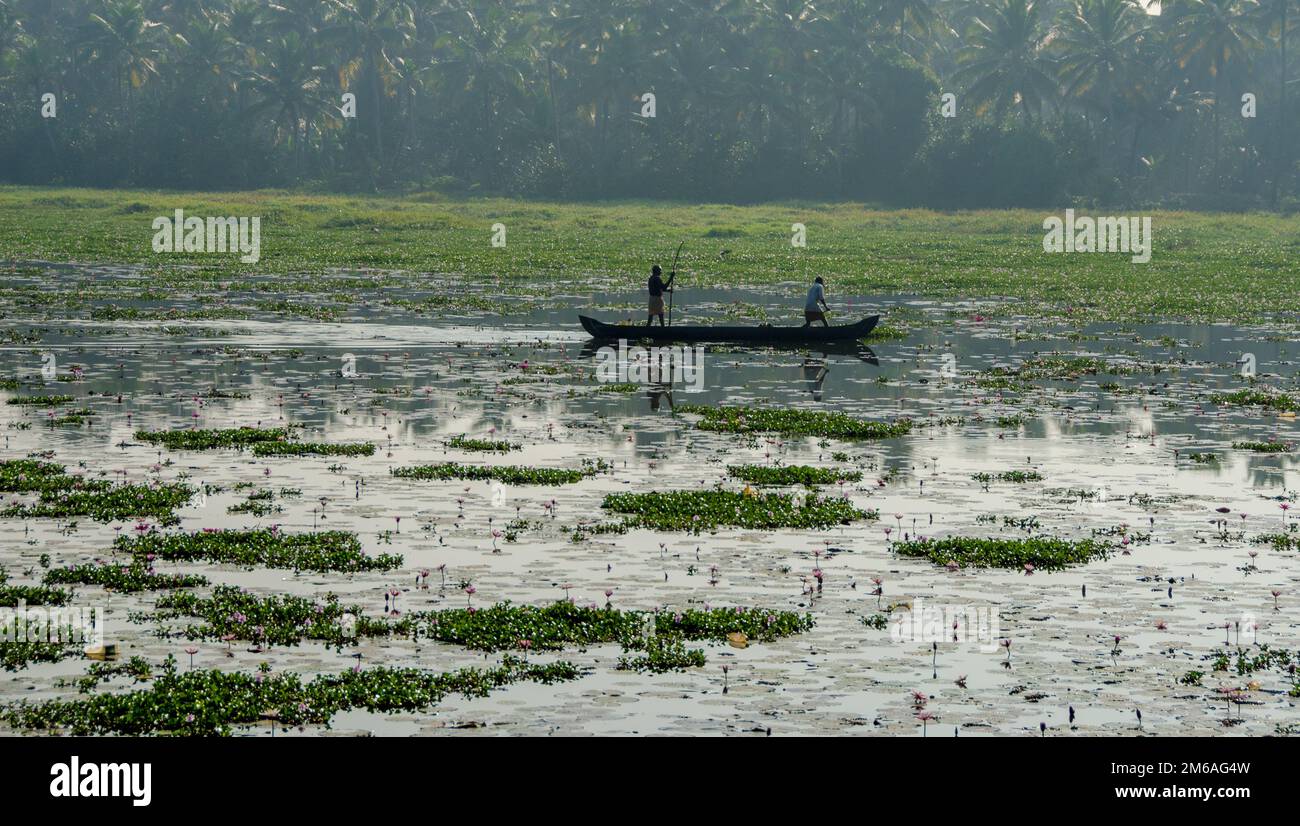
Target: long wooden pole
[[673, 276]]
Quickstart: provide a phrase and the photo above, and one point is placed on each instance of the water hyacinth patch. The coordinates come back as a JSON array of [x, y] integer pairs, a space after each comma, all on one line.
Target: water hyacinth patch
[[108, 503], [279, 448], [17, 655], [209, 702], [700, 510], [131, 578], [34, 476], [1279, 541], [792, 475], [1063, 368], [239, 437], [321, 551], [1255, 398], [563, 623], [275, 620], [664, 653], [11, 595], [1042, 552], [287, 620], [1263, 447], [1017, 476], [793, 422], [505, 474], [481, 445], [40, 401]]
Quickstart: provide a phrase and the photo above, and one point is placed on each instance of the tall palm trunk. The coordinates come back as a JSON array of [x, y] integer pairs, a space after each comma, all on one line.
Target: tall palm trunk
[[377, 117], [555, 110], [1282, 162]]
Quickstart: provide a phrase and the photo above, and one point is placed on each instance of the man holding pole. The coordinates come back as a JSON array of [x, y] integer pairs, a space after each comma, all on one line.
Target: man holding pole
[[657, 288]]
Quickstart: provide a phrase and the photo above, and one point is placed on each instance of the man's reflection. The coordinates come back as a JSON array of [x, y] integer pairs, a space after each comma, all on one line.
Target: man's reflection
[[814, 374], [656, 393]]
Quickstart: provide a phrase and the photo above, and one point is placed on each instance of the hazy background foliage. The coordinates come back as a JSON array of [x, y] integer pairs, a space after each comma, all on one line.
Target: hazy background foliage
[[1096, 101]]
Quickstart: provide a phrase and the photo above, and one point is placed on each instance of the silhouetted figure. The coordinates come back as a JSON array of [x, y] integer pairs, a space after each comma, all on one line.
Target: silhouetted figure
[[658, 287]]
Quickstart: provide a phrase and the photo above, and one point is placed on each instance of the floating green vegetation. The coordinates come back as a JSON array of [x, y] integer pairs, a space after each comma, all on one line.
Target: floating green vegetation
[[793, 422], [1251, 397], [562, 624], [624, 387], [31, 475], [40, 401], [207, 702], [72, 418], [279, 448], [287, 620], [1203, 458], [1043, 553], [137, 668], [505, 474], [1017, 476], [792, 475], [1263, 447], [322, 551], [876, 622], [1245, 661], [887, 332], [700, 510], [108, 504], [12, 595], [1279, 541], [281, 619], [239, 437], [131, 578], [663, 653], [1064, 368], [481, 445], [258, 503], [583, 532], [16, 655]]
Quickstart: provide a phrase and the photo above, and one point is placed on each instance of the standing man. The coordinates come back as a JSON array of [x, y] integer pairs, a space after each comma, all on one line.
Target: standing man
[[657, 290], [814, 305]]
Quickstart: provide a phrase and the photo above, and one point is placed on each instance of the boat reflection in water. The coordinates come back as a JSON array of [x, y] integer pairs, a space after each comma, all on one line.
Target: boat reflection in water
[[815, 367]]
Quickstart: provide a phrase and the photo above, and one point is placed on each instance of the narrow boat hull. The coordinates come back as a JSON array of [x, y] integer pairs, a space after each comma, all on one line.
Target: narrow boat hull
[[812, 334]]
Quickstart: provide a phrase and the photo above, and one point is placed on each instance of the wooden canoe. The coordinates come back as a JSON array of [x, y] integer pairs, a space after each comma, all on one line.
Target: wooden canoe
[[812, 334]]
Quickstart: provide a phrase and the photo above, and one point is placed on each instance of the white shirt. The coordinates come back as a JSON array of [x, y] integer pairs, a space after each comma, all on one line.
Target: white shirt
[[815, 295]]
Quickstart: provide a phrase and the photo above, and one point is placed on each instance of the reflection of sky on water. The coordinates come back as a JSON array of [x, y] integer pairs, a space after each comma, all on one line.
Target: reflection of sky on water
[[421, 381]]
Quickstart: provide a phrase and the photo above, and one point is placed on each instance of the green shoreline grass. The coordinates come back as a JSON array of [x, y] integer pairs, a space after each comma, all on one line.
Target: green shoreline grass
[[1204, 266]]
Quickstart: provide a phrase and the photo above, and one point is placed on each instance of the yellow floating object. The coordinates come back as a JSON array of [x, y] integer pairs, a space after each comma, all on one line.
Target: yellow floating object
[[749, 491], [737, 639], [1253, 685], [108, 651], [1286, 414]]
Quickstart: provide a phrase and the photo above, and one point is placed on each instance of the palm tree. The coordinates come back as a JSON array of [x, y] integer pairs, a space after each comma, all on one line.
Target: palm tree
[[371, 29], [1098, 43], [289, 83], [1005, 60], [128, 42], [1212, 40], [1275, 20]]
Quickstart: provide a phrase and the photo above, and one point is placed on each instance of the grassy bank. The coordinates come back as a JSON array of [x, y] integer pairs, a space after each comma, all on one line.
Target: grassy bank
[[1203, 266]]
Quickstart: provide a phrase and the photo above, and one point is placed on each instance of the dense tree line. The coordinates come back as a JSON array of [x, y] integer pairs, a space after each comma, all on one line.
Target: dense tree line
[[1095, 100]]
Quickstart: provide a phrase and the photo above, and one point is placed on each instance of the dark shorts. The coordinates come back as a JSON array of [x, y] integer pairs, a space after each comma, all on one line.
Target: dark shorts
[[813, 315]]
